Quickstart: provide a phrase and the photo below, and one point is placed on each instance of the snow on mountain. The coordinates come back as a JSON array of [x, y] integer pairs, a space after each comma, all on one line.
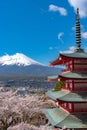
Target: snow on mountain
[[19, 65], [17, 59]]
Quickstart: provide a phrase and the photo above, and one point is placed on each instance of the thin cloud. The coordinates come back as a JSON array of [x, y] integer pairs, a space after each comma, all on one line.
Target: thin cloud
[[84, 35], [73, 28], [55, 8], [81, 4], [50, 48], [60, 36], [71, 50], [85, 48], [56, 47]]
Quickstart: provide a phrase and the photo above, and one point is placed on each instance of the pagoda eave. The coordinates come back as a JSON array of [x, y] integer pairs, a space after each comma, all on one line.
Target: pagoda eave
[[67, 76], [60, 118], [67, 96], [60, 61], [70, 75], [74, 55], [66, 57], [56, 62], [53, 78]]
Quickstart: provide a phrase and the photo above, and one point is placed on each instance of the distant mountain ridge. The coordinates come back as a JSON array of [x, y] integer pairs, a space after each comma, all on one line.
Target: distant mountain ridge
[[21, 65]]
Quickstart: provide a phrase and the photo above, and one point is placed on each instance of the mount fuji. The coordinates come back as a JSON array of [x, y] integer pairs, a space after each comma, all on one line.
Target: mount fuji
[[21, 65], [17, 59]]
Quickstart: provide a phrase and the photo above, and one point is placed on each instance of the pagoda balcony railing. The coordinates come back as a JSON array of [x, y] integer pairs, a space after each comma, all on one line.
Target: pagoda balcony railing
[[80, 110], [80, 89], [75, 109], [76, 70], [80, 69]]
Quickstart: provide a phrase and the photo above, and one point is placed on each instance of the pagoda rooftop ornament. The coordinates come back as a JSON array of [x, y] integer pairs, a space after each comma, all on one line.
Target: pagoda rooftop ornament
[[78, 33]]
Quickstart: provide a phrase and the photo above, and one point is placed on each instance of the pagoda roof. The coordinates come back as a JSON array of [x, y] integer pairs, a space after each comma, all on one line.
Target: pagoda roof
[[68, 96], [70, 75], [75, 55], [60, 118], [53, 78], [57, 62], [65, 57]]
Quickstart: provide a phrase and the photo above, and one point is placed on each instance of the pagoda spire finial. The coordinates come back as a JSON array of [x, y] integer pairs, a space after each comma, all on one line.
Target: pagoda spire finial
[[78, 32]]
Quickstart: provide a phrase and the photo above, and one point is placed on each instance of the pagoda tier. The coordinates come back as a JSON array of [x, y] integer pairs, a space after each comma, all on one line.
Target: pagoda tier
[[74, 62], [66, 57], [73, 81], [70, 101]]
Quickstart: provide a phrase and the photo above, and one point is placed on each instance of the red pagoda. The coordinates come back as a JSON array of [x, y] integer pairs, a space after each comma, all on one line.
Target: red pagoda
[[71, 99]]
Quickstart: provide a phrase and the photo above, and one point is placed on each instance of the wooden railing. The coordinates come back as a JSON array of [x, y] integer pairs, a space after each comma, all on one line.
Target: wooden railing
[[80, 69], [80, 89], [80, 110]]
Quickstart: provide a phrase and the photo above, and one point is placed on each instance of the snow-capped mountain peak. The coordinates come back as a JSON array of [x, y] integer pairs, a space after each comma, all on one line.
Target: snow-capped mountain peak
[[17, 59]]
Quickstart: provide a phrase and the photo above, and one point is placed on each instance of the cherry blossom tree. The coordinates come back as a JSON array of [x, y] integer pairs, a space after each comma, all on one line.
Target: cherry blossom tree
[[27, 109]]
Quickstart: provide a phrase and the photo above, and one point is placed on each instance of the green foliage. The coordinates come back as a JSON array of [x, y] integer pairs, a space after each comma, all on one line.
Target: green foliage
[[59, 85]]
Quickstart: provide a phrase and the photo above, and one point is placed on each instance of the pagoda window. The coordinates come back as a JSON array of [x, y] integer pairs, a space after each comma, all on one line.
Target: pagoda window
[[71, 66], [66, 85], [70, 106], [65, 105], [70, 84], [67, 66]]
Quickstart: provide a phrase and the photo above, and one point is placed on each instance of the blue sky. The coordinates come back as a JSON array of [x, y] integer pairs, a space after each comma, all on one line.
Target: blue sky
[[40, 29]]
